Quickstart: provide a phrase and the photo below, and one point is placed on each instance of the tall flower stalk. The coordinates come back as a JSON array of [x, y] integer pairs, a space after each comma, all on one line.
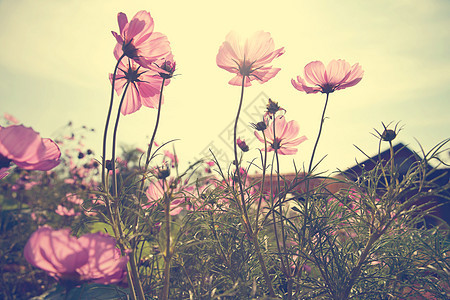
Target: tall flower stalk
[[115, 218], [337, 75], [249, 62], [136, 41], [322, 120], [105, 132], [168, 247]]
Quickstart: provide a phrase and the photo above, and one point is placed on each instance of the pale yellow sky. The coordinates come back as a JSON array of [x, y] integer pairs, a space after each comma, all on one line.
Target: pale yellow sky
[[56, 55]]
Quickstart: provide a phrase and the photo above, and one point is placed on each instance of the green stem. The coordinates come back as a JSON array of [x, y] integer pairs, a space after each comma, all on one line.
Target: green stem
[[264, 163], [236, 161], [283, 234], [104, 176], [113, 159], [248, 226], [263, 266], [107, 124], [168, 254], [391, 148], [136, 283], [318, 136], [279, 202], [357, 269], [147, 160], [149, 150]]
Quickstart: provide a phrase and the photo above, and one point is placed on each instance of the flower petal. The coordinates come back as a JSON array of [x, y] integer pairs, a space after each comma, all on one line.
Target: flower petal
[[315, 73], [122, 20], [337, 72]]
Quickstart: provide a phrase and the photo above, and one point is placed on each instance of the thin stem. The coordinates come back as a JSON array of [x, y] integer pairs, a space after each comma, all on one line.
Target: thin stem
[[236, 161], [149, 150], [391, 149], [168, 254], [113, 159], [357, 269], [275, 147], [248, 226], [135, 273], [263, 266], [104, 175], [133, 266], [280, 201], [273, 204], [318, 136], [264, 163], [147, 160], [107, 123]]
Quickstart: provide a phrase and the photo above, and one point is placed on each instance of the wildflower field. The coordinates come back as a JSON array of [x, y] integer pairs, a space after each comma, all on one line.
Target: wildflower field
[[136, 223]]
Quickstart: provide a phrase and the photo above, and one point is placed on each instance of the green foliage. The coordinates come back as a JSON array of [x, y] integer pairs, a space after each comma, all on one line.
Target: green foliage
[[369, 240]]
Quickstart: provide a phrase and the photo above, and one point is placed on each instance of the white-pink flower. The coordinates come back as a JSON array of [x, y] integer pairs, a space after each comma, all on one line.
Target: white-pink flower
[[91, 258], [74, 199], [248, 59], [64, 211], [285, 138], [24, 147], [337, 75], [137, 40], [155, 194], [144, 86]]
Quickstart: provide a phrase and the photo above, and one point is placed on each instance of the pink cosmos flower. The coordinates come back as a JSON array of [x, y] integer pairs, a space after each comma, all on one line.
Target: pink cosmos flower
[[74, 199], [248, 59], [285, 136], [337, 76], [144, 86], [138, 41], [105, 264], [91, 258], [155, 193], [64, 211], [24, 147]]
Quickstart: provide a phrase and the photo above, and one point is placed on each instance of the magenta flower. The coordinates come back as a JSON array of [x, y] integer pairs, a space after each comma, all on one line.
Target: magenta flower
[[91, 258], [248, 60], [24, 147], [337, 76], [285, 136], [144, 86], [138, 41]]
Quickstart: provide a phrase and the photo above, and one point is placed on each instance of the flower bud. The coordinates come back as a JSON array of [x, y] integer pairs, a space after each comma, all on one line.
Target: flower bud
[[273, 107], [260, 126], [388, 135], [108, 165], [163, 172], [242, 145]]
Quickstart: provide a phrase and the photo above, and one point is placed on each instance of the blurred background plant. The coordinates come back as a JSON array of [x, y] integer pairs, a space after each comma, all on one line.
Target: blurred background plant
[[362, 236]]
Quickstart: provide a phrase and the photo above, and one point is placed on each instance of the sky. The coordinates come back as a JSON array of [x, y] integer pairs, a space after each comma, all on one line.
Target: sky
[[55, 57]]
